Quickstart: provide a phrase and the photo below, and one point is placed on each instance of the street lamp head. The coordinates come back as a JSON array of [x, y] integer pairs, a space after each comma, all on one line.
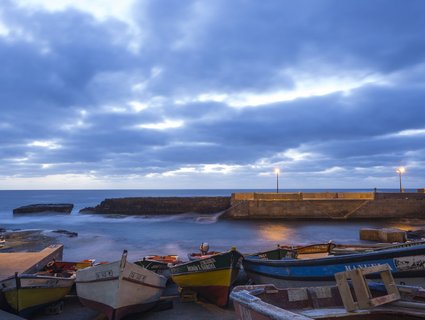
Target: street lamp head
[[277, 171], [401, 170]]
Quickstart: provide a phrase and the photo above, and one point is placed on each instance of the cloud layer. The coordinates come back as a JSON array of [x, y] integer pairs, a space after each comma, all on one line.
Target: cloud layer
[[196, 94]]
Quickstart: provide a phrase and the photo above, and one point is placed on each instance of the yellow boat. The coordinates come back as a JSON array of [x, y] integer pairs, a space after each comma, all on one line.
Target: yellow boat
[[26, 293], [210, 277]]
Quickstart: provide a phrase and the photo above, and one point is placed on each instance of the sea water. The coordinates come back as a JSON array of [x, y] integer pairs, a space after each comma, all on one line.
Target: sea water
[[104, 237]]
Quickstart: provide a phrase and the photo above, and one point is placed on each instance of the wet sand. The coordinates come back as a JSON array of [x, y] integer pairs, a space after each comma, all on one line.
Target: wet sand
[[198, 310]]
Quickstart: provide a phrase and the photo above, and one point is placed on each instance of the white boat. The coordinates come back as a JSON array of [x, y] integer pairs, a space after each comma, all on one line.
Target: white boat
[[119, 288]]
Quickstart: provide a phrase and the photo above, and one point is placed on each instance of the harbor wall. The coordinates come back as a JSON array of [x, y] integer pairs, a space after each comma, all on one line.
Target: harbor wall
[[300, 205], [328, 205]]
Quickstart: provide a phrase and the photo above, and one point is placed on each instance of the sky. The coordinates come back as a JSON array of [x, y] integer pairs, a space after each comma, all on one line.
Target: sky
[[171, 94]]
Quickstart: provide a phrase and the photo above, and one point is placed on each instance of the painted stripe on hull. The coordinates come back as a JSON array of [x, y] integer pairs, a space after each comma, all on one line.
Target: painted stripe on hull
[[116, 314], [208, 278], [98, 280], [287, 283], [143, 283]]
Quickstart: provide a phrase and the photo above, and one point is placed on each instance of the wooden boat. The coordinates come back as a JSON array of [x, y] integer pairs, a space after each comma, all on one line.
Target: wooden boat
[[407, 263], [119, 288], [210, 277], [61, 266], [262, 302], [25, 293], [354, 297], [159, 264], [332, 248]]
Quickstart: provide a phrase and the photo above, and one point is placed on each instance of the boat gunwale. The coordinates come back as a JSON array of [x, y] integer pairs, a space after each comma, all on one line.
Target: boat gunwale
[[354, 257]]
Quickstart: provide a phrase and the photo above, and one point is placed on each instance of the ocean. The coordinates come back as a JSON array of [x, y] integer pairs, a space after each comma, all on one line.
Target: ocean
[[104, 237]]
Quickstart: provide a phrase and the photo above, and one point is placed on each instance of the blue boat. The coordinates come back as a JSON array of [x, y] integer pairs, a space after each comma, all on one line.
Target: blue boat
[[407, 263]]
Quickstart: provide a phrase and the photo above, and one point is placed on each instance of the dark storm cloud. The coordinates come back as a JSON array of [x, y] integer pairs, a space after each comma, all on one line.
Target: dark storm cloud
[[69, 79], [244, 45]]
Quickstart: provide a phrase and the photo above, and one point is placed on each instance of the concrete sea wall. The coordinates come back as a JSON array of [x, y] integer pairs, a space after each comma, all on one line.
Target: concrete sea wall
[[328, 205]]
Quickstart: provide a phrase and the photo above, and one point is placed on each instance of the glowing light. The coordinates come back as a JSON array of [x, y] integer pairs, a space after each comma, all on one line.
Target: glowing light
[[401, 170]]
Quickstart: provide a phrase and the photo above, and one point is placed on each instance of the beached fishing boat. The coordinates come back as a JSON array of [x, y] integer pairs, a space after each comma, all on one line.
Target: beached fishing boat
[[210, 277], [407, 264], [119, 288], [25, 293], [159, 264], [263, 302], [332, 248], [55, 266]]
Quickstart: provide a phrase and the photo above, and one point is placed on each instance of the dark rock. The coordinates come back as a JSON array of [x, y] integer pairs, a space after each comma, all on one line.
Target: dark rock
[[70, 234], [27, 240], [50, 207], [415, 234], [161, 205]]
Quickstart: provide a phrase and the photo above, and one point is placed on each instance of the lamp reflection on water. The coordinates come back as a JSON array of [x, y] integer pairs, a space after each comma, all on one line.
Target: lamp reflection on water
[[278, 233]]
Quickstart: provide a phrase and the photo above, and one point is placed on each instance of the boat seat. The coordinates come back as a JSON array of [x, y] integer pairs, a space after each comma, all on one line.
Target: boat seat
[[306, 256]]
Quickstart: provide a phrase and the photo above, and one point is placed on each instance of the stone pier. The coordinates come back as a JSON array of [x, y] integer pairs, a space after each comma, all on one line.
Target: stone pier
[[326, 205]]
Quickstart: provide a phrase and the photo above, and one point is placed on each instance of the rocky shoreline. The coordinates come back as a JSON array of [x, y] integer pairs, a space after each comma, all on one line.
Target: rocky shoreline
[[49, 207], [26, 240], [160, 205], [31, 240]]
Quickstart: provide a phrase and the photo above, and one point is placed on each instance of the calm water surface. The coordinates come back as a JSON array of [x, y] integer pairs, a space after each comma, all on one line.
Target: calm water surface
[[104, 237]]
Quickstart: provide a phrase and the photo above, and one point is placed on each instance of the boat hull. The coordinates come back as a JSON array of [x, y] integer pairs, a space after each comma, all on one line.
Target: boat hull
[[288, 283], [117, 313], [27, 293], [210, 277], [407, 266], [119, 288]]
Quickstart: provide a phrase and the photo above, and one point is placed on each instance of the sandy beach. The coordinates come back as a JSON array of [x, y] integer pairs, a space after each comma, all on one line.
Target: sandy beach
[[199, 310]]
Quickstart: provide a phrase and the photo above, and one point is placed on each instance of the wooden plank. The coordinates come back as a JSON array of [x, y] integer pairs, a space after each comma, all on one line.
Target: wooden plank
[[345, 292], [361, 288], [365, 300]]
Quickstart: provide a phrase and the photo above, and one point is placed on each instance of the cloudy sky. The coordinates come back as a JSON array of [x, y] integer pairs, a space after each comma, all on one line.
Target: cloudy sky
[[211, 94]]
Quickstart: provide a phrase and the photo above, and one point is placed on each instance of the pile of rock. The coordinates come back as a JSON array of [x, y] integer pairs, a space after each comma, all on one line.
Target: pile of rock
[[49, 207]]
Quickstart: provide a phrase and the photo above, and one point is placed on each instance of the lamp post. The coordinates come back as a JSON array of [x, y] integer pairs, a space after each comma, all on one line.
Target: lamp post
[[400, 171], [277, 171]]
